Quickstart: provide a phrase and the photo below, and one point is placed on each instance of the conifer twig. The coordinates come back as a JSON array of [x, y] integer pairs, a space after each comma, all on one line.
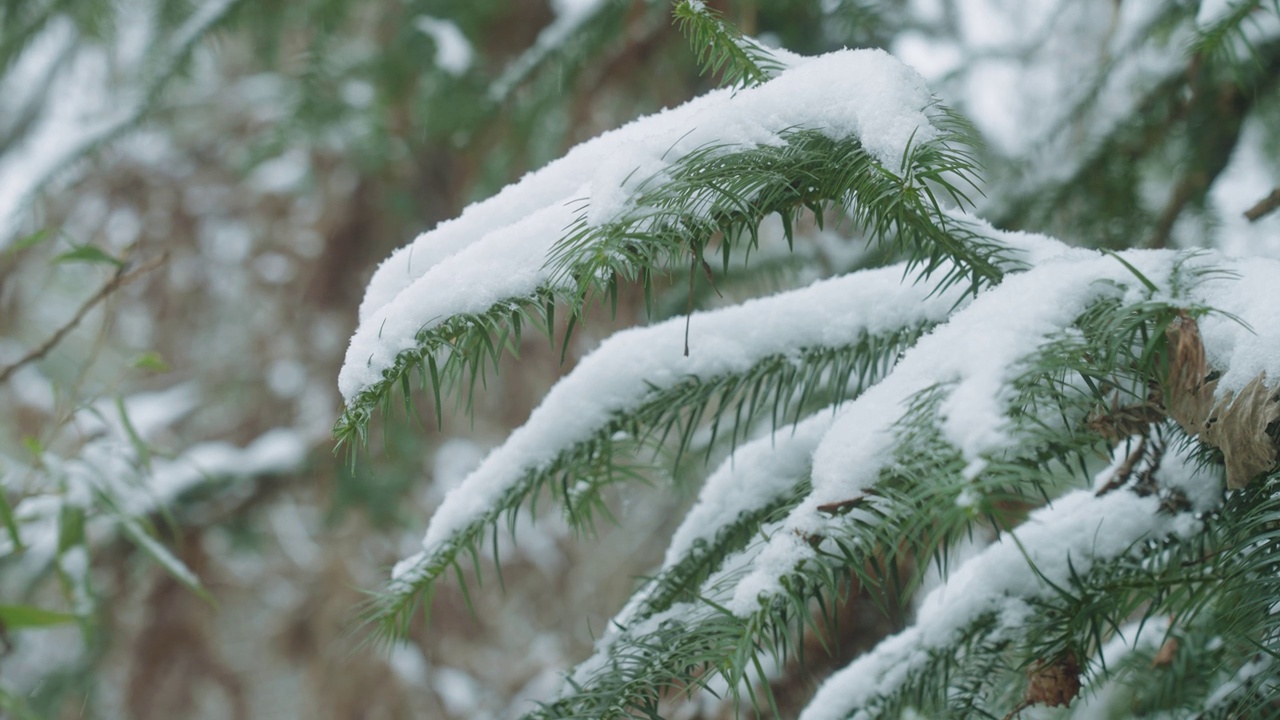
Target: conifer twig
[[1264, 207], [121, 278]]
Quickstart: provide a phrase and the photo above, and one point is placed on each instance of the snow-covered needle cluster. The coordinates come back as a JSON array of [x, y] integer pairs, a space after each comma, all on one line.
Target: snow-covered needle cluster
[[1048, 427]]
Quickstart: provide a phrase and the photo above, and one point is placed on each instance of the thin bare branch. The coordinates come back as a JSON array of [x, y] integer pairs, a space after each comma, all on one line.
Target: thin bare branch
[[1264, 207], [123, 276]]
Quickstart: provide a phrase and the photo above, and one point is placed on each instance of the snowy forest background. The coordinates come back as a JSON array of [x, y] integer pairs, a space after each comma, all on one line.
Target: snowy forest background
[[194, 194]]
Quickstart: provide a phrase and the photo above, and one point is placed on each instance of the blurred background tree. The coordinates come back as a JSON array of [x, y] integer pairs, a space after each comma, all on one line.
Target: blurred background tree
[[194, 192]]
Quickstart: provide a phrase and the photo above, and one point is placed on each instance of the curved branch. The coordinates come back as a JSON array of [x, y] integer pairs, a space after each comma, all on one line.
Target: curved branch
[[123, 276]]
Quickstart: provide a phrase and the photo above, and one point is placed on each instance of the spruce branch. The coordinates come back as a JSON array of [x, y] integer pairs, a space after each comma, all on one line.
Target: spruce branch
[[717, 192], [1224, 39], [917, 668], [722, 49], [777, 386]]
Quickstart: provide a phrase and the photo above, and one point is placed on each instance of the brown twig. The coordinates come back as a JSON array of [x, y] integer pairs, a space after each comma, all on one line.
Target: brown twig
[[1264, 207], [122, 277]]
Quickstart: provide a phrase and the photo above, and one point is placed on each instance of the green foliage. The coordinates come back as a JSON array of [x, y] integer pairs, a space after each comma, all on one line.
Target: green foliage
[[722, 50], [781, 387], [1093, 388], [670, 224], [18, 617]]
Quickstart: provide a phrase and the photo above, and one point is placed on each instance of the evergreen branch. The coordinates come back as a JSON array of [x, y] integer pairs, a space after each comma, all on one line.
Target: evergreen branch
[[1110, 335], [774, 384], [682, 648], [585, 466], [1224, 38], [756, 486], [854, 454], [1061, 547], [907, 514], [722, 49], [1217, 583], [453, 352], [716, 192], [897, 520], [633, 677], [711, 192]]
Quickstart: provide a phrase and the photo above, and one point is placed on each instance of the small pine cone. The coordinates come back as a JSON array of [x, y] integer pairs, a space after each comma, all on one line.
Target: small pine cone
[[1168, 651], [1053, 683]]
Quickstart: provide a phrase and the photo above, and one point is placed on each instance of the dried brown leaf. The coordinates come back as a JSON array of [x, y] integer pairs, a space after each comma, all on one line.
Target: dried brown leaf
[[1189, 392], [1120, 422], [1237, 425], [1167, 652]]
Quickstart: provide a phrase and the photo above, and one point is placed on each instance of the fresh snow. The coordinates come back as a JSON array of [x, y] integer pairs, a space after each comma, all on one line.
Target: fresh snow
[[1249, 294], [496, 249], [1011, 320], [623, 371], [755, 475], [1070, 536]]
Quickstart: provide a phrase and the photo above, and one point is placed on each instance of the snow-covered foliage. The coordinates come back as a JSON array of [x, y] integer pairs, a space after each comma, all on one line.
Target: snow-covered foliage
[[1078, 408]]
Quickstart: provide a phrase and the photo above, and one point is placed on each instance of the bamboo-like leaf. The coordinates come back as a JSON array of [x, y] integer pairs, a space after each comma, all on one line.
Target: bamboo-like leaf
[[21, 617]]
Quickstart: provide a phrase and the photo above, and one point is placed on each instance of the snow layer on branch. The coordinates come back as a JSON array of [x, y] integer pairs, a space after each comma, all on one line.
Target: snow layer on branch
[[1242, 353], [755, 475], [621, 373], [975, 354], [1069, 536], [496, 248]]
